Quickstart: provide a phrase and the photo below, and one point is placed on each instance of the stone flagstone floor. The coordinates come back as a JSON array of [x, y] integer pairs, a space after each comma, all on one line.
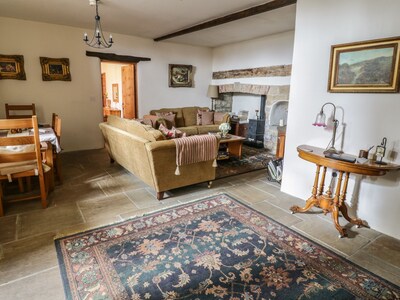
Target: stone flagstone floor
[[96, 193]]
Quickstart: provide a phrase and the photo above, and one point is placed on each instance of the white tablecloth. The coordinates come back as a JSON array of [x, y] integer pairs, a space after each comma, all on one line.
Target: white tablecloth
[[45, 135]]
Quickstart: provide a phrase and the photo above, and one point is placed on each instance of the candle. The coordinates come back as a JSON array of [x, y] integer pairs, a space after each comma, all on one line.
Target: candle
[[280, 122]]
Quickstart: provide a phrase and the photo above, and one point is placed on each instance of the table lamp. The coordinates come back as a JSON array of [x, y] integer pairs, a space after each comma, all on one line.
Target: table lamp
[[213, 94], [320, 120]]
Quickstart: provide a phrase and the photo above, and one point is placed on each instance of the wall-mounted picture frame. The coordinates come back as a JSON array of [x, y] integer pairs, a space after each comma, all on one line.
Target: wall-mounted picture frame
[[180, 75], [55, 69], [365, 67], [115, 92], [12, 67]]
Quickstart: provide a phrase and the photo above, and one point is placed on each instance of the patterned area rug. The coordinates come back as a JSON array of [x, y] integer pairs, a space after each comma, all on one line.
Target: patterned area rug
[[252, 159], [214, 248]]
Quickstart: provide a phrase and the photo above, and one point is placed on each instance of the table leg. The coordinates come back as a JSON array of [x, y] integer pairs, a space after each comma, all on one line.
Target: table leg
[[235, 149], [322, 184], [49, 162], [335, 206], [343, 207], [313, 200]]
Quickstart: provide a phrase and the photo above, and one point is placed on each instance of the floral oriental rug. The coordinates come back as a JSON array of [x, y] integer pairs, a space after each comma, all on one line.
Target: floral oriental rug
[[252, 159], [214, 248]]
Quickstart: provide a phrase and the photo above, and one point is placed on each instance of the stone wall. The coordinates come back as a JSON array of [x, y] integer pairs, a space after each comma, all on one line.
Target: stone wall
[[275, 93]]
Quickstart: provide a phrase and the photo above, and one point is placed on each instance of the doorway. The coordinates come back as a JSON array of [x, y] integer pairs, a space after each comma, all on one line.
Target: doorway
[[119, 92]]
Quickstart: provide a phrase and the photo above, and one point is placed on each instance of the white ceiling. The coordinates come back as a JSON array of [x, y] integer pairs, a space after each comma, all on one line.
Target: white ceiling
[[155, 18]]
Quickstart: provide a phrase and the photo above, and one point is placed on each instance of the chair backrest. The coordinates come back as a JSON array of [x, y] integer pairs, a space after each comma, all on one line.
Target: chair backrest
[[30, 150], [56, 125], [16, 111]]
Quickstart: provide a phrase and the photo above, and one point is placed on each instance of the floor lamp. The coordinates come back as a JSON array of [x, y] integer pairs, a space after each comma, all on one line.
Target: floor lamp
[[212, 92]]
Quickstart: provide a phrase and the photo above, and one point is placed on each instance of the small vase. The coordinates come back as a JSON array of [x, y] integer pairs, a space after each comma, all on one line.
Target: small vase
[[224, 133]]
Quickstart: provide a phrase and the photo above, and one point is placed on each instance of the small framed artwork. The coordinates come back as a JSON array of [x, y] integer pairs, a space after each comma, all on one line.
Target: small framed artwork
[[365, 67], [180, 76], [12, 67], [115, 94], [55, 69]]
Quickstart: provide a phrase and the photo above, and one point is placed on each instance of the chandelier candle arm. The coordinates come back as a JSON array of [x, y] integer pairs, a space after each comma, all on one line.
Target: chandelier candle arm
[[98, 40]]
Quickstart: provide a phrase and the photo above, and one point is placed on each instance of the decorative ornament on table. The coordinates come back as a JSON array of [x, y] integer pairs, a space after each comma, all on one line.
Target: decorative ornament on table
[[224, 127]]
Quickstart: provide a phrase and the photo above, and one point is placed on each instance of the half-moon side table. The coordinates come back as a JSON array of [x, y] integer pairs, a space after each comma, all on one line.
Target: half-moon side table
[[335, 203]]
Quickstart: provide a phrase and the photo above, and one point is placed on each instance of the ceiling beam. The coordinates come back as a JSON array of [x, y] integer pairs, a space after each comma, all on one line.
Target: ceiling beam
[[116, 57], [255, 10]]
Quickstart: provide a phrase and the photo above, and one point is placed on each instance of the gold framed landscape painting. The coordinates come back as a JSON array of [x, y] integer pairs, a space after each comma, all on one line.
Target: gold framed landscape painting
[[180, 76], [12, 67], [55, 69], [365, 67]]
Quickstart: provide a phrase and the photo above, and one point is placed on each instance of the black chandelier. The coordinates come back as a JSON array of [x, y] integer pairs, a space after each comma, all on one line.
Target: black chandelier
[[98, 40]]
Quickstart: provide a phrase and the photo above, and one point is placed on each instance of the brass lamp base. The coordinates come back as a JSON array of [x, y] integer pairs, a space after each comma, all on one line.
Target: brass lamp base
[[332, 150]]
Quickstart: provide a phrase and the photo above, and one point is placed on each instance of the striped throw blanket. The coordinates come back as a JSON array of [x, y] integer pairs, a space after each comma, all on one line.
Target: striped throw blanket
[[196, 148]]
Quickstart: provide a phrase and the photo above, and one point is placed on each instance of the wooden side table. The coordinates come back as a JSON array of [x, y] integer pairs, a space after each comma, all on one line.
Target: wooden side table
[[330, 202], [239, 129]]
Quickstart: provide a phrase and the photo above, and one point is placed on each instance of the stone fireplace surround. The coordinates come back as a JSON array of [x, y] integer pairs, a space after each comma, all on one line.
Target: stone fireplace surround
[[275, 107]]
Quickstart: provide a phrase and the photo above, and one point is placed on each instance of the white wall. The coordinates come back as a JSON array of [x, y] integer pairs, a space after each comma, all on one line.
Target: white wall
[[369, 117], [79, 102], [263, 52]]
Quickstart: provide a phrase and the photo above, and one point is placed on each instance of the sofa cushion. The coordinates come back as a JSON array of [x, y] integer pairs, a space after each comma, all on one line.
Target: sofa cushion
[[169, 118], [144, 131], [190, 114], [171, 133], [220, 117], [204, 129], [179, 121], [152, 119], [117, 122], [205, 117], [190, 130]]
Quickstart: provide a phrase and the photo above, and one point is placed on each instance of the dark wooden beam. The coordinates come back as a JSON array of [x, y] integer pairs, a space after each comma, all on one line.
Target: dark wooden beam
[[116, 57], [229, 18]]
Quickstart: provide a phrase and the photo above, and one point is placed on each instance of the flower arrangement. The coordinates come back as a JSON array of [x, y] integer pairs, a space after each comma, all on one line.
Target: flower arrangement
[[224, 127]]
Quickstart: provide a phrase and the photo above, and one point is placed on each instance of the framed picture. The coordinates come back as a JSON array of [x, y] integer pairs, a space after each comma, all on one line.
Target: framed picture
[[12, 67], [55, 69], [115, 94], [365, 67], [180, 76]]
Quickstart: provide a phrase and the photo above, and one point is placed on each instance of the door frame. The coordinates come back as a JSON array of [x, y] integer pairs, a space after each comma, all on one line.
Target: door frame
[[122, 59], [135, 98]]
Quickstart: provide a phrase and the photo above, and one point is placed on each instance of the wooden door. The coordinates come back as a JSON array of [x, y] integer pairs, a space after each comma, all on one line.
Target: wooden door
[[129, 107], [103, 89]]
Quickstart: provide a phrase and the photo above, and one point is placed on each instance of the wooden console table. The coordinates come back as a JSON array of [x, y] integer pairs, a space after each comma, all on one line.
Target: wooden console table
[[335, 203]]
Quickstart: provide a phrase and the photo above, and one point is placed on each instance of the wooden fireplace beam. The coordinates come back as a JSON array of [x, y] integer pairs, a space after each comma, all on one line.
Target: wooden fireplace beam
[[229, 18]]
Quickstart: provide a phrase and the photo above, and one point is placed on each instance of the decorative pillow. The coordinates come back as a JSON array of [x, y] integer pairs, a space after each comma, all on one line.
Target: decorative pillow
[[178, 133], [169, 118], [200, 116], [207, 118], [218, 117], [171, 133]]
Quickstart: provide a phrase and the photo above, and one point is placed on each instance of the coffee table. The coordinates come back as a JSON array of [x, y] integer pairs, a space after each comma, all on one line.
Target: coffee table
[[234, 145]]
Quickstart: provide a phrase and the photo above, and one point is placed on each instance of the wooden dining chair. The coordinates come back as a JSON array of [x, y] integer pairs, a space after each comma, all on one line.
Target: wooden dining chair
[[16, 111], [56, 125], [20, 156]]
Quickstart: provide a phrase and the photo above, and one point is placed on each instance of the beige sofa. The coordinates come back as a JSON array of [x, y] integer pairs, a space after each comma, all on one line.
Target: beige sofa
[[143, 151], [186, 119]]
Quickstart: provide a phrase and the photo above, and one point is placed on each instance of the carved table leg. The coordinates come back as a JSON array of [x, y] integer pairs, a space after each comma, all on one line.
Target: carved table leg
[[335, 206], [312, 201], [343, 207], [322, 184]]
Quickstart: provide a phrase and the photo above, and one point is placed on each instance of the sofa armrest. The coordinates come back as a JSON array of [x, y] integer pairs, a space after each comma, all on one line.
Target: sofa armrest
[[162, 155]]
